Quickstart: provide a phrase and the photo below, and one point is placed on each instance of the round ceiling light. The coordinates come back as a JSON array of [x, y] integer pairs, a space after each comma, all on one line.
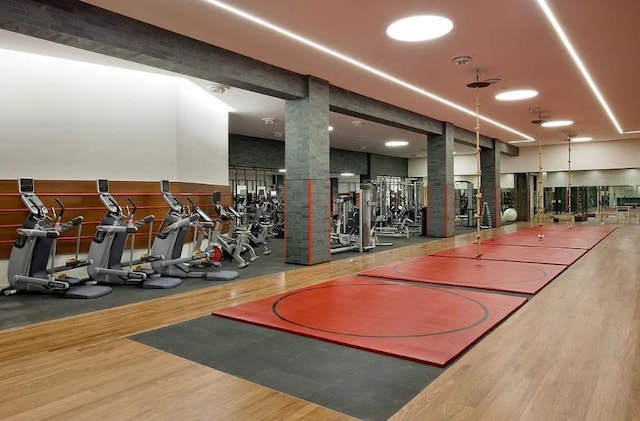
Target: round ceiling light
[[557, 123], [396, 143], [516, 95], [419, 28]]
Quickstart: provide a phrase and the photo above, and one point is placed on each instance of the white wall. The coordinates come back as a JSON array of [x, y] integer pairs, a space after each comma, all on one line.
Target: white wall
[[584, 156], [615, 163], [626, 177], [462, 165], [417, 167], [465, 164], [202, 137], [64, 119]]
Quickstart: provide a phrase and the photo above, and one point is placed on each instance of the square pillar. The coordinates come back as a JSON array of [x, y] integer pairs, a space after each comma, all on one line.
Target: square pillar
[[491, 191], [307, 185], [441, 210]]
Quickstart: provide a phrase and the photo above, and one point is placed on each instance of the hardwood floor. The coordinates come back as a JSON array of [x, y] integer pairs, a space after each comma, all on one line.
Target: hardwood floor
[[572, 352]]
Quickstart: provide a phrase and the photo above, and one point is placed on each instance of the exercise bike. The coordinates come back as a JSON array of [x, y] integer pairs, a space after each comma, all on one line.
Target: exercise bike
[[107, 247], [220, 244], [36, 245], [169, 242]]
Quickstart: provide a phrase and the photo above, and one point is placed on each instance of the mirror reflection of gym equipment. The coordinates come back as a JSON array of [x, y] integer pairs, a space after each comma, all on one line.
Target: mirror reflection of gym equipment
[[352, 218], [261, 187], [397, 204], [464, 197]]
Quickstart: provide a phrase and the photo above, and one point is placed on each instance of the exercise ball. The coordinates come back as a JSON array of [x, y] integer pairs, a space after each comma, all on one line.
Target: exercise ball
[[509, 215]]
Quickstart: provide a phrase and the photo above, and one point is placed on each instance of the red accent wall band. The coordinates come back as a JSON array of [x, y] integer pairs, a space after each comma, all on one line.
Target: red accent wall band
[[310, 221]]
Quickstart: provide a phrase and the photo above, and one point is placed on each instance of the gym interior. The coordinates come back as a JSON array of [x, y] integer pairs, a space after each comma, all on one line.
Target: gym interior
[[195, 224]]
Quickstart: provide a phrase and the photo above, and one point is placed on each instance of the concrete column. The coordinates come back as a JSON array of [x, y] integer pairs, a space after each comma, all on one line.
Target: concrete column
[[441, 210], [491, 191], [307, 184]]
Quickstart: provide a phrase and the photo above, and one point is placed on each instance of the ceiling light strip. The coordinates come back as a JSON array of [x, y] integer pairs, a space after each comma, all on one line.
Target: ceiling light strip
[[576, 59], [356, 63]]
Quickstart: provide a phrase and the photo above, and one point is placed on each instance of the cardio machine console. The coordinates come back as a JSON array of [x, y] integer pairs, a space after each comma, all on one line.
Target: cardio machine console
[[26, 187], [106, 198], [173, 203]]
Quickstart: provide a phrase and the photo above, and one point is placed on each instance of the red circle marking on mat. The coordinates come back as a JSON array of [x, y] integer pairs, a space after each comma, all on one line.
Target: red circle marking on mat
[[380, 310], [479, 272]]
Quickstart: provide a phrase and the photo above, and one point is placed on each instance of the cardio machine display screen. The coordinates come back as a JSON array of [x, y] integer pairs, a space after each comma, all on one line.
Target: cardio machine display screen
[[164, 186], [25, 185], [103, 186]]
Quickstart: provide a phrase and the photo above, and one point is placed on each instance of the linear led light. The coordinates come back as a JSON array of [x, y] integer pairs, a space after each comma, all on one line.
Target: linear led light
[[522, 141], [632, 132], [356, 63], [576, 59], [557, 123], [581, 139], [395, 143]]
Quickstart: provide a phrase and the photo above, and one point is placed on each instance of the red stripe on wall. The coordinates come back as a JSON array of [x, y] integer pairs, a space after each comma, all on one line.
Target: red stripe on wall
[[284, 227], [446, 210], [497, 213], [310, 220]]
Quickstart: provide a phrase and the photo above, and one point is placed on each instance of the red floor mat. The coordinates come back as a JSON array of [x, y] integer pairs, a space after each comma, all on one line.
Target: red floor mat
[[499, 275], [412, 321], [556, 256], [531, 240]]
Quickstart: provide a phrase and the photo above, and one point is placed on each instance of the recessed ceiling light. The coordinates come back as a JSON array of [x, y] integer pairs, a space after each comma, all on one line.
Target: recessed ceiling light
[[516, 94], [419, 28], [330, 128], [347, 174], [396, 143], [557, 123], [581, 139]]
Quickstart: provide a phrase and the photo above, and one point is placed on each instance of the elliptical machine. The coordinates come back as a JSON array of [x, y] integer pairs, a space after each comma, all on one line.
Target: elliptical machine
[[107, 246], [259, 226], [36, 245], [233, 246], [170, 239]]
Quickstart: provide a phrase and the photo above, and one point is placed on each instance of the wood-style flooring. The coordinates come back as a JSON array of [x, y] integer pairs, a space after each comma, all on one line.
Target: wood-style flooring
[[572, 352]]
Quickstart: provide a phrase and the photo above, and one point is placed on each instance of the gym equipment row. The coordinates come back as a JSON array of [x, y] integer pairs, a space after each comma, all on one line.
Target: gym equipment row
[[396, 207], [352, 228], [32, 267]]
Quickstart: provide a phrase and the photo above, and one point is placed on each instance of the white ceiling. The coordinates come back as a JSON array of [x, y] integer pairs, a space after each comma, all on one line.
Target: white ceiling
[[507, 39]]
